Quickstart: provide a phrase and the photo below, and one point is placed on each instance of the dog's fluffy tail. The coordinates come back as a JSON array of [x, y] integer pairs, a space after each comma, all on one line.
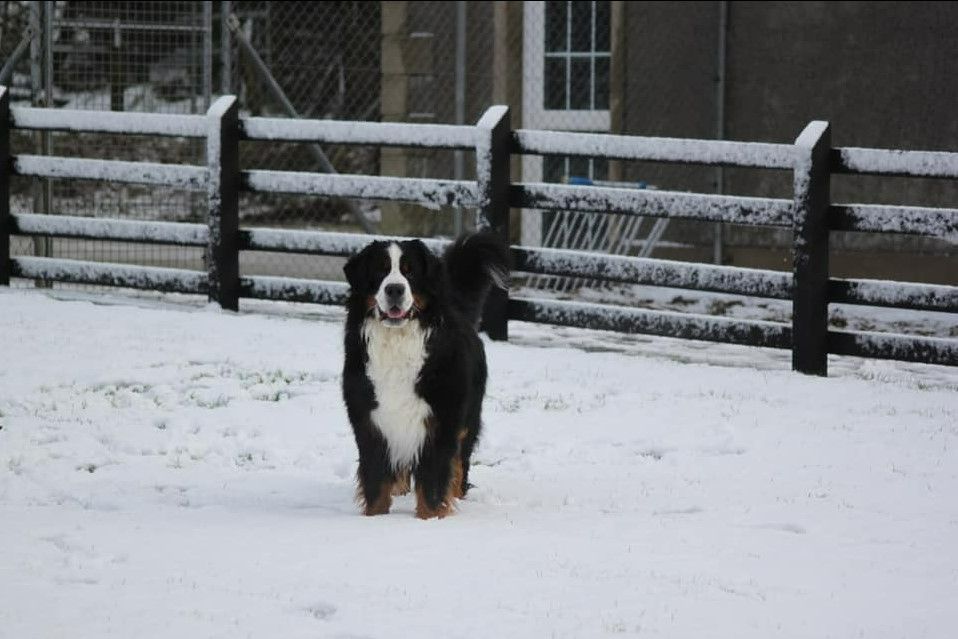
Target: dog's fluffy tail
[[475, 263]]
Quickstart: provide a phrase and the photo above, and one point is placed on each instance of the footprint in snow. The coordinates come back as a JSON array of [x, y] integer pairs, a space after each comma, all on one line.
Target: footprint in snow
[[321, 610]]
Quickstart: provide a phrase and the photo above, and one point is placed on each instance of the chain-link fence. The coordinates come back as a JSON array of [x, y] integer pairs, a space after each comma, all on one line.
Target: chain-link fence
[[113, 56], [310, 60], [632, 68]]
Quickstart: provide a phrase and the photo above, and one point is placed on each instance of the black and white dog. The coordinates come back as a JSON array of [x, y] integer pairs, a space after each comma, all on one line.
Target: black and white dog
[[415, 370]]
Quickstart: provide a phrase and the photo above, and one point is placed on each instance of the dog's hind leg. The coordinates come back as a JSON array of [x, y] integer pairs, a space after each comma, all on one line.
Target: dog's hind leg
[[467, 441]]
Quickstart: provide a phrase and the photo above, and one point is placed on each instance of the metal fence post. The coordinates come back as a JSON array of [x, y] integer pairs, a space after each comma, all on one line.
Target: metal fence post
[[810, 245], [222, 159], [4, 186], [493, 153]]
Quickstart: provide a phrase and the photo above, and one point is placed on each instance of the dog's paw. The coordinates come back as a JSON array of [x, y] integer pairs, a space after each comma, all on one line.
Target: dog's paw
[[432, 502], [423, 511]]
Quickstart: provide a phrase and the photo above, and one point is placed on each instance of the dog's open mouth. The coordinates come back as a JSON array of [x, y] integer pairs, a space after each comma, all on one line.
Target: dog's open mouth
[[395, 314]]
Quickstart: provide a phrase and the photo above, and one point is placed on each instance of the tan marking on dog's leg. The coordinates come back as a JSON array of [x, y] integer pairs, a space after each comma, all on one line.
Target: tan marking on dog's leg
[[459, 489], [453, 492], [383, 502], [455, 482]]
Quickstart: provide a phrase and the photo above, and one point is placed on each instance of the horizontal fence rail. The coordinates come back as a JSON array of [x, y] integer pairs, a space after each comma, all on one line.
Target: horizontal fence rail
[[930, 164], [666, 323], [167, 280], [626, 147], [693, 206], [119, 122], [187, 177], [809, 214], [291, 289], [653, 272], [909, 220], [429, 193], [432, 136], [925, 350], [906, 295], [316, 243], [174, 233]]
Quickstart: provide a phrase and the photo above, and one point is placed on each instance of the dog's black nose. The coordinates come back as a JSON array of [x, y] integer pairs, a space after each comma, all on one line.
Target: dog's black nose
[[395, 290]]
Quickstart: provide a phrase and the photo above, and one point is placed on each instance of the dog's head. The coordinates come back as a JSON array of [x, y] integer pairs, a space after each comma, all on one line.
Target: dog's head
[[398, 281]]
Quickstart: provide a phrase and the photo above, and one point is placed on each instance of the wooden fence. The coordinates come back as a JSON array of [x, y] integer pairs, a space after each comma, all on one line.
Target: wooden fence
[[809, 213]]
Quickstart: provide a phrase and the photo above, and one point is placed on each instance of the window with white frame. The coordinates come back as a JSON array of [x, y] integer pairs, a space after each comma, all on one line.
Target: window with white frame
[[577, 54], [566, 57], [566, 61]]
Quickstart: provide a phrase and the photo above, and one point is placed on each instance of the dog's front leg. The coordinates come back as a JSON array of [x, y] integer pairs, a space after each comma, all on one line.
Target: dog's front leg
[[374, 476], [438, 475]]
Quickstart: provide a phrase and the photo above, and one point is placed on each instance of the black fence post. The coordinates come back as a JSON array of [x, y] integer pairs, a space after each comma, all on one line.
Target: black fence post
[[222, 159], [493, 153], [5, 263], [810, 246]]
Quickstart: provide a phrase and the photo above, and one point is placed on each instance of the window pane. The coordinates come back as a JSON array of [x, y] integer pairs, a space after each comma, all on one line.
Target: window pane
[[601, 83], [581, 26], [602, 26], [581, 84], [556, 26], [553, 168], [579, 167], [600, 169], [555, 90]]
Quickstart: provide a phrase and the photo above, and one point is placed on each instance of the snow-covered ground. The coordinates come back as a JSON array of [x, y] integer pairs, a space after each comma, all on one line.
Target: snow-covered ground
[[171, 470]]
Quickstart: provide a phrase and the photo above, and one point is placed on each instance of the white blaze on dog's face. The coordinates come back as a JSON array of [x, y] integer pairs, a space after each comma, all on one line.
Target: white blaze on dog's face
[[394, 298]]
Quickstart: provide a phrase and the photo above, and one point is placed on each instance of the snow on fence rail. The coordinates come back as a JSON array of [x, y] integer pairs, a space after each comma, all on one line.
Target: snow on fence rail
[[429, 193], [78, 121], [175, 233], [168, 280], [433, 136], [667, 323], [627, 147], [186, 177], [910, 220], [809, 213], [757, 211], [934, 164]]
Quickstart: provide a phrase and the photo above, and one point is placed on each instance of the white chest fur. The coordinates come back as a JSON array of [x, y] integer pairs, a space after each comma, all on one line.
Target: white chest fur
[[396, 355]]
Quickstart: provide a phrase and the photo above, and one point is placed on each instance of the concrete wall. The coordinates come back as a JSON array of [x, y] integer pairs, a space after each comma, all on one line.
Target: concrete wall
[[881, 72]]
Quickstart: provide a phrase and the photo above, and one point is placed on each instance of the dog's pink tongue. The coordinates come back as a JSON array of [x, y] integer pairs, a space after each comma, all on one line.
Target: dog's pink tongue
[[395, 313]]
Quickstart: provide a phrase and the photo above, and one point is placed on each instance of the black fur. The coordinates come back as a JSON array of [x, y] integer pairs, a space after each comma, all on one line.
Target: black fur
[[474, 262], [452, 380]]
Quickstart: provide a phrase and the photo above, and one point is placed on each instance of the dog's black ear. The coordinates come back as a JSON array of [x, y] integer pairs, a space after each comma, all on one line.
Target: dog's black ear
[[432, 264], [355, 269]]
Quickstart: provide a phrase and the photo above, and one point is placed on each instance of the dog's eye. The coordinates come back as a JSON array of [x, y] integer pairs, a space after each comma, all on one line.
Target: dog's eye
[[404, 267]]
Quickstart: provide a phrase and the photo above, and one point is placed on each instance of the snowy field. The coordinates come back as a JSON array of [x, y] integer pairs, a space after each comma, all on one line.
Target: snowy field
[[168, 470]]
